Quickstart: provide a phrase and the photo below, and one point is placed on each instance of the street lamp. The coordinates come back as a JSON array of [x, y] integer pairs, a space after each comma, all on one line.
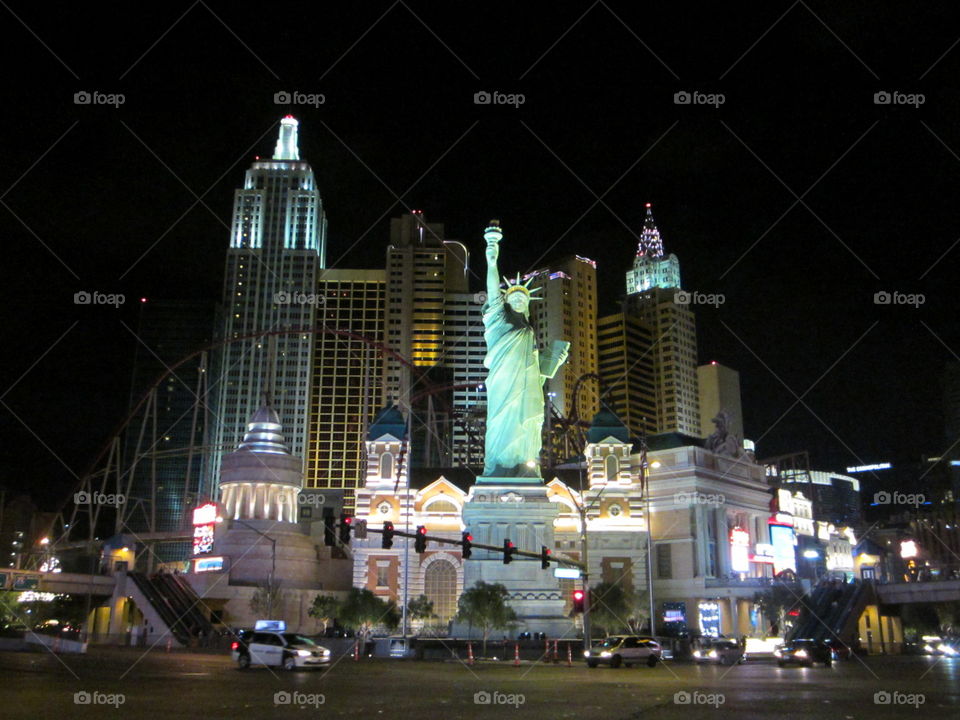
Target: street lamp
[[645, 484]]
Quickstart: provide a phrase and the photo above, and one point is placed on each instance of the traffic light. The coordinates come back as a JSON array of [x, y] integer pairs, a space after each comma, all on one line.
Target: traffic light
[[345, 527], [387, 541], [420, 542], [466, 545], [578, 596], [360, 529], [508, 550], [544, 557]]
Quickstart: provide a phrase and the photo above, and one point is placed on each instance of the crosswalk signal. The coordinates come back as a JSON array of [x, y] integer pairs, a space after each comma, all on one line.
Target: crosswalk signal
[[508, 550], [360, 529], [345, 527], [466, 545], [544, 557], [578, 596], [387, 538], [420, 542]]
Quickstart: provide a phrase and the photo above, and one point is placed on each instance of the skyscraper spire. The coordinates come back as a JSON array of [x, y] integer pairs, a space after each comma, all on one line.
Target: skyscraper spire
[[651, 245], [287, 148]]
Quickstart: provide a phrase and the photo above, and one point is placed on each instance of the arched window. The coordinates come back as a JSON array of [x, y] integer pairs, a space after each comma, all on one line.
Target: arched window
[[386, 466], [611, 467], [440, 586], [442, 506]]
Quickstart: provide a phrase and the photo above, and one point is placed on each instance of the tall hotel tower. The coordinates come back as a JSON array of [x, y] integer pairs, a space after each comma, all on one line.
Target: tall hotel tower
[[664, 378], [277, 244]]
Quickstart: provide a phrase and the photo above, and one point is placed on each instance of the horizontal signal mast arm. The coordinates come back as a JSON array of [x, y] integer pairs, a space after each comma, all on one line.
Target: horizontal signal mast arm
[[480, 546]]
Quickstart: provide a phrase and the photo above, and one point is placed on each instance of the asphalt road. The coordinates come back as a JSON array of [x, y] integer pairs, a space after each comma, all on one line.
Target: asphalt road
[[183, 685]]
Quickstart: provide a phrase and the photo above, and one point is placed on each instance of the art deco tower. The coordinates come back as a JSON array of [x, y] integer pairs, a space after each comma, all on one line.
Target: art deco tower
[[277, 245]]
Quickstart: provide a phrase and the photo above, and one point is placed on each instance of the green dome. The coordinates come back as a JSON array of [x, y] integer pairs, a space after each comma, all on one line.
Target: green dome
[[606, 423]]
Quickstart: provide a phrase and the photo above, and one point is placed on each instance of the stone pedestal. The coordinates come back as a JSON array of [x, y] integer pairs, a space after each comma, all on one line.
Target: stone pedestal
[[499, 509]]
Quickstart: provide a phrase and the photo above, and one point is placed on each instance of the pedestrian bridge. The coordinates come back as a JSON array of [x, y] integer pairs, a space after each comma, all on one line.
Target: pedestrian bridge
[[57, 583], [918, 592]]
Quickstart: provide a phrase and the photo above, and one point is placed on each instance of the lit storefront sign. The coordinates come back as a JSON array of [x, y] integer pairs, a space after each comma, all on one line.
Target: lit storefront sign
[[784, 555], [204, 521], [675, 612], [739, 550], [709, 618], [208, 564]]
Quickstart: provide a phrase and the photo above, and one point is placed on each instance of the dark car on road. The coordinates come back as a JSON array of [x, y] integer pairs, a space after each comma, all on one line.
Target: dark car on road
[[804, 652]]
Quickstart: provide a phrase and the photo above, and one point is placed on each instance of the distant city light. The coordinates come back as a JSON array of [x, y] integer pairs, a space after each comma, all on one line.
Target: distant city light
[[868, 468], [811, 554], [908, 549]]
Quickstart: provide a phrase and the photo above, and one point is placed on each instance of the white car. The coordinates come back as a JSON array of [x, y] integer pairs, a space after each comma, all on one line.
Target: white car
[[626, 650], [719, 650], [279, 649]]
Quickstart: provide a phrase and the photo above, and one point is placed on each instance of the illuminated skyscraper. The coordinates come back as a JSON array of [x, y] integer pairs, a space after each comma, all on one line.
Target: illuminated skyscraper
[[652, 285], [625, 350], [566, 309], [347, 377], [422, 267], [277, 244], [464, 351]]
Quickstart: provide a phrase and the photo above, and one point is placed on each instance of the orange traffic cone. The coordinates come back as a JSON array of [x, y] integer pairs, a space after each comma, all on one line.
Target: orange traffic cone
[[569, 656], [356, 650], [169, 643], [469, 653], [516, 654]]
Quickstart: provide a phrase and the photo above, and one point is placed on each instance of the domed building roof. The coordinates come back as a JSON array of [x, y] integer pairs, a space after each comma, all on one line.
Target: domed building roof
[[264, 433], [605, 424], [389, 421]]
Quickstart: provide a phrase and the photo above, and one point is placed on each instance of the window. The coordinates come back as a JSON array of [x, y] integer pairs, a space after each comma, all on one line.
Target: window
[[664, 562], [611, 467], [440, 586], [386, 466], [383, 575]]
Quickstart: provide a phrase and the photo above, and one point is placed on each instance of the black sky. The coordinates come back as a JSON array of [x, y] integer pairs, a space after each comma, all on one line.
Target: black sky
[[113, 200]]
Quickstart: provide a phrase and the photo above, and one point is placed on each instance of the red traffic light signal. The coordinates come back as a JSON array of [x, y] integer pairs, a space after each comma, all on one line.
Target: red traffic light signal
[[420, 542], [578, 596], [544, 557], [508, 550], [345, 528], [466, 545], [387, 538]]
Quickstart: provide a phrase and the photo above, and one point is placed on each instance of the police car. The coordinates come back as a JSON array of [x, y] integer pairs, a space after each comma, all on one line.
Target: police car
[[269, 644]]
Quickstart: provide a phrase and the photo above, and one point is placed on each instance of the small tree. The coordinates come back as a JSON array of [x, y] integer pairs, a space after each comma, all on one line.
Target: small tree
[[613, 608], [420, 608], [485, 606], [324, 608], [266, 601], [10, 613], [363, 611]]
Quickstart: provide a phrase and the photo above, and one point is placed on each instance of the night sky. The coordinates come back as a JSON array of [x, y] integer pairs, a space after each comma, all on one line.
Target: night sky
[[104, 198]]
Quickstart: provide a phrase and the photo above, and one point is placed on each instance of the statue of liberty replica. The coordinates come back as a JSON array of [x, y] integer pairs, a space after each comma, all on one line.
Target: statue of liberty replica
[[509, 501], [515, 404]]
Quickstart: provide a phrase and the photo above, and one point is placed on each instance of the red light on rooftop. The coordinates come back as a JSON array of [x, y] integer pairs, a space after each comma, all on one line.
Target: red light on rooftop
[[143, 300], [648, 205]]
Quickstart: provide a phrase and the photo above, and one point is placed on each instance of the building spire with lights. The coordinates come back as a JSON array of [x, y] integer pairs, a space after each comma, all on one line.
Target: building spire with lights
[[651, 268], [287, 148], [651, 245]]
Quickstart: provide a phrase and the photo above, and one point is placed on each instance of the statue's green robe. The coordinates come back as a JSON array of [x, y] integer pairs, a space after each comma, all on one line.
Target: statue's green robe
[[514, 392]]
